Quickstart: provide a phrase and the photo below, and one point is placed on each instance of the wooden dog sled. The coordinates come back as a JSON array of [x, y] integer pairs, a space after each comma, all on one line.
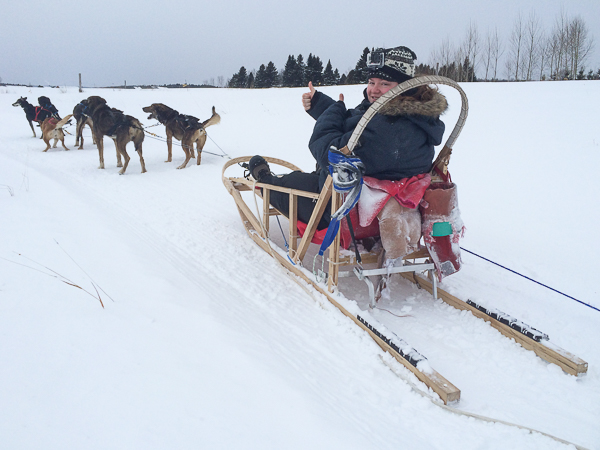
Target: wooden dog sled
[[418, 263]]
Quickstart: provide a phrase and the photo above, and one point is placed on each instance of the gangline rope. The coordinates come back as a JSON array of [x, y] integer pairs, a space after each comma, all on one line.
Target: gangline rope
[[530, 279]]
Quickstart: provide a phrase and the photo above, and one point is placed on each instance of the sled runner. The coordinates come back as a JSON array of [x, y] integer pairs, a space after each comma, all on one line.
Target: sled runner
[[437, 258]]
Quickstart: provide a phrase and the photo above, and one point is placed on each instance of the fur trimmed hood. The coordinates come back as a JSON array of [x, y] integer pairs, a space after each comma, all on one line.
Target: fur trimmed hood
[[427, 102], [399, 144]]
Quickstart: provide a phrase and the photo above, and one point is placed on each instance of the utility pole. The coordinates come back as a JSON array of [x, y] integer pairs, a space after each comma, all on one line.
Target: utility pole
[[80, 90]]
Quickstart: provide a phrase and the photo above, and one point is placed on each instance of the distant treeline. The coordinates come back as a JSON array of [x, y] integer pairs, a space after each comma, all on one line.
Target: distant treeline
[[297, 73], [529, 53]]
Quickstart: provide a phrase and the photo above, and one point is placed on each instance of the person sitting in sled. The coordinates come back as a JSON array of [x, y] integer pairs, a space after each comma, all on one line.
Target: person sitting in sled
[[396, 148]]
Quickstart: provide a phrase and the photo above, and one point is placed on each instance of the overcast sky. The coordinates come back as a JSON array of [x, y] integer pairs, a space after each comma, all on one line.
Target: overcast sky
[[159, 42]]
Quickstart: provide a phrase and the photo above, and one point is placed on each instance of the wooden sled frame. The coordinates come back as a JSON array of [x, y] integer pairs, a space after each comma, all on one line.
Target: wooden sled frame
[[258, 230]]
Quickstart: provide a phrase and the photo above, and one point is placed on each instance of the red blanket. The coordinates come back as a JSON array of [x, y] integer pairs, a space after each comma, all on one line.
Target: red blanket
[[375, 194]]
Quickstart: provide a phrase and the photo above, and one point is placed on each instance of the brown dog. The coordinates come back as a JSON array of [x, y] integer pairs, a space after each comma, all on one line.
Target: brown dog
[[52, 129], [187, 129], [120, 127]]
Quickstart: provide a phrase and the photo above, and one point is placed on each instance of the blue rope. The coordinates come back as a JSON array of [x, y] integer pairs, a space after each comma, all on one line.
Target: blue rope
[[530, 279], [347, 173], [287, 247], [282, 234]]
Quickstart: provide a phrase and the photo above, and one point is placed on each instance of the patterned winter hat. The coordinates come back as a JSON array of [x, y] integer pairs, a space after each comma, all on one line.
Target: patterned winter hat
[[392, 64]]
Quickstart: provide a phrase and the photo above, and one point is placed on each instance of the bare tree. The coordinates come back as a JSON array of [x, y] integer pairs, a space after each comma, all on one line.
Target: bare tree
[[497, 52], [560, 38], [546, 53], [580, 44], [516, 45], [531, 48], [469, 52], [487, 53], [443, 57], [492, 52], [509, 67]]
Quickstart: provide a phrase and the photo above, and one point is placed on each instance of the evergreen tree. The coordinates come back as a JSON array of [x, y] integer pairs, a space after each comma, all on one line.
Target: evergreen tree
[[271, 75], [467, 71], [328, 76], [300, 75], [289, 73], [260, 81], [314, 70], [336, 77], [250, 81], [360, 72], [239, 79], [351, 78], [343, 79]]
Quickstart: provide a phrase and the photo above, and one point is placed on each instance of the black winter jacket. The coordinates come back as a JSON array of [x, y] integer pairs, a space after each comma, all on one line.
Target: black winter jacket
[[397, 143]]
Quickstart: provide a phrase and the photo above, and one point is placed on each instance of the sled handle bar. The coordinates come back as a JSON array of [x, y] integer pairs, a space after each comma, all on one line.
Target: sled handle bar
[[403, 87]]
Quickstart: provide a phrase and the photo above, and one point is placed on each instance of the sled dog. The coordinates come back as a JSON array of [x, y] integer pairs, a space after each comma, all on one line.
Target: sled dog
[[111, 122], [52, 129], [187, 129], [33, 113], [81, 114]]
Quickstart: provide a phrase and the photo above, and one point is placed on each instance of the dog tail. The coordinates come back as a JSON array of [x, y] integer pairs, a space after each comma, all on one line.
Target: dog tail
[[62, 122], [214, 119]]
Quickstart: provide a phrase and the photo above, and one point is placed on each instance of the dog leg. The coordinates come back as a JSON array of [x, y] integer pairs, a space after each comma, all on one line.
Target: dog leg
[[126, 158], [200, 144], [121, 146], [55, 142], [192, 140], [79, 134], [32, 129], [93, 137], [119, 162], [100, 145], [169, 146], [62, 141], [186, 144], [47, 141], [138, 148]]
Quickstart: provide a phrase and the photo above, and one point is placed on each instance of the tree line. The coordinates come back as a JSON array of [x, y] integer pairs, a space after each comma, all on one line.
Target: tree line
[[529, 53], [297, 73]]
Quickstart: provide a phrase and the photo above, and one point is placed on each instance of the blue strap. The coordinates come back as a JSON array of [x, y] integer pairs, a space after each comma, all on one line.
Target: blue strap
[[347, 174]]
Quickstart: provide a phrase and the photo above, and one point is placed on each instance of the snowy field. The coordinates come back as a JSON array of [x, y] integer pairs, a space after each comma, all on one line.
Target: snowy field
[[204, 342]]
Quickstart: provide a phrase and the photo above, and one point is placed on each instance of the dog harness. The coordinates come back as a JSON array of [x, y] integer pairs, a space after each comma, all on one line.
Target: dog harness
[[38, 110]]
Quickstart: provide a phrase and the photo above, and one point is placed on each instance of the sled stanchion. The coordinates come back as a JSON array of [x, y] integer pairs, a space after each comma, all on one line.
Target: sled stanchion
[[314, 220], [293, 218], [334, 249], [266, 195]]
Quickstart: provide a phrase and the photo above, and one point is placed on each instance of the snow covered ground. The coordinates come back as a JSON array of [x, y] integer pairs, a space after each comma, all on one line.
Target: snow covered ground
[[203, 342]]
